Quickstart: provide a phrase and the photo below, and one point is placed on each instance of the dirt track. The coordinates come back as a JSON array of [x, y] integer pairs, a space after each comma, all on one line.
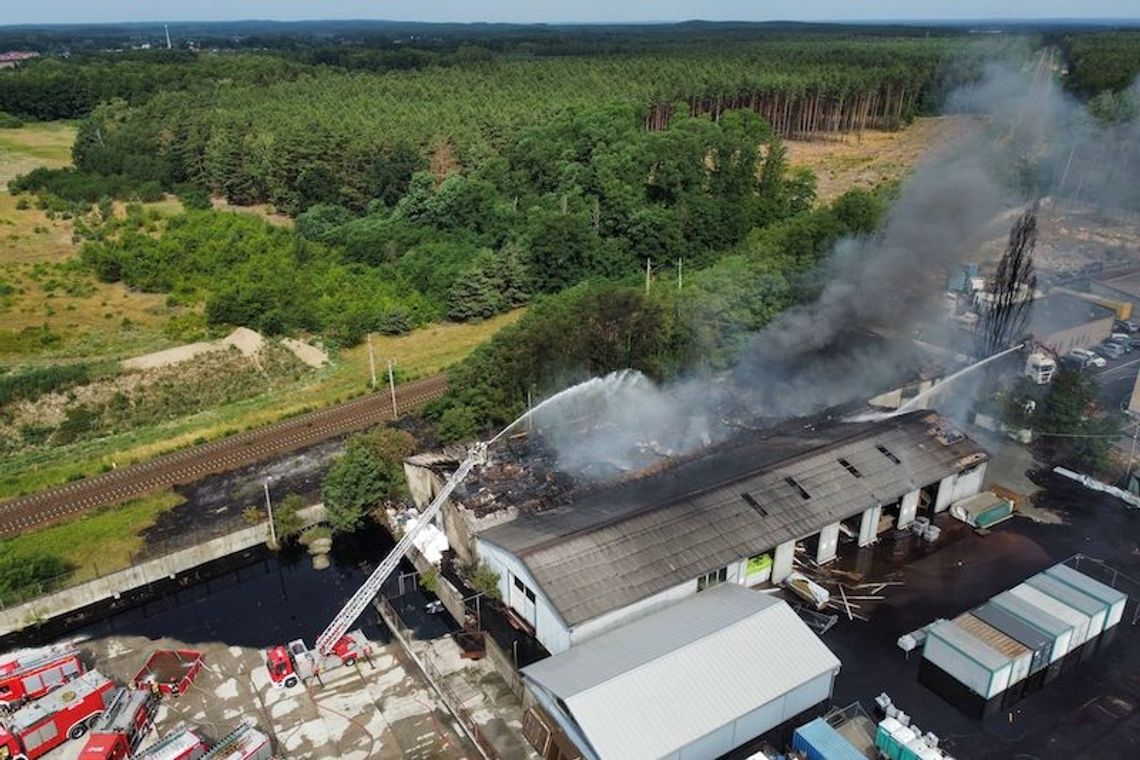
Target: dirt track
[[61, 502]]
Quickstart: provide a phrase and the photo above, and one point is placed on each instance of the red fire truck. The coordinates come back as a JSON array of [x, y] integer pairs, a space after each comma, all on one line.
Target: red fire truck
[[66, 713], [287, 664], [183, 744], [246, 743], [122, 727], [28, 674]]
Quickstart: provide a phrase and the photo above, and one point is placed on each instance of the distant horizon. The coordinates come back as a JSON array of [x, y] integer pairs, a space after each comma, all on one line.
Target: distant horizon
[[569, 12], [859, 21]]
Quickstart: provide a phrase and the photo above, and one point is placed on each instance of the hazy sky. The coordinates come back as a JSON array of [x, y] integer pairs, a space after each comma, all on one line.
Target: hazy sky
[[64, 11]]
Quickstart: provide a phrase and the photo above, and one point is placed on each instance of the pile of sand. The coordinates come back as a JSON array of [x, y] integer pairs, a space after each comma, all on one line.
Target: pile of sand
[[306, 352], [248, 342]]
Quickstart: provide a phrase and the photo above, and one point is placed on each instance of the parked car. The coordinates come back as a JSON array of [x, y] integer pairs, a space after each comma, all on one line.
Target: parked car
[[1087, 358], [1110, 350], [1125, 326], [1125, 343]]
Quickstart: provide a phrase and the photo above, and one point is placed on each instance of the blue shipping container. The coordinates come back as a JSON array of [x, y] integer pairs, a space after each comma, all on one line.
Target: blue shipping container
[[819, 741]]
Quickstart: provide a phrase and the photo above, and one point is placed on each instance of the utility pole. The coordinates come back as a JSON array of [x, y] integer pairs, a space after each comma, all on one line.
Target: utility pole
[[269, 509], [648, 270], [680, 274], [392, 388], [1132, 454], [372, 361]]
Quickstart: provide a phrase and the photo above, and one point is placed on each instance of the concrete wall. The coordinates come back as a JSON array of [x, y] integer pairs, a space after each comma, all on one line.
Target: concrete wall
[[1081, 336], [114, 584]]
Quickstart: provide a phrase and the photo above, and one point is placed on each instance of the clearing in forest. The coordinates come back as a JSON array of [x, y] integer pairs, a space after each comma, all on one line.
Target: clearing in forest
[[875, 157]]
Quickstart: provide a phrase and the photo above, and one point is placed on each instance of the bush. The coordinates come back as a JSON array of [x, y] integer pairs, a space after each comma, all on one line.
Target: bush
[[8, 121], [483, 579], [26, 576], [36, 382], [286, 517], [314, 533]]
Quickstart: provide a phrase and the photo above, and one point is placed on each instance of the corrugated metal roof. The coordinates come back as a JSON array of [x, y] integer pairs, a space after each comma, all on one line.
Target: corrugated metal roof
[[970, 645], [1068, 595], [617, 546], [655, 685], [1013, 626], [1033, 614], [990, 636], [1085, 584]]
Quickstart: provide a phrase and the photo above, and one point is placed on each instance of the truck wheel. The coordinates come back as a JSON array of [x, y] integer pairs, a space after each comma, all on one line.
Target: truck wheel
[[290, 682], [76, 731], [350, 661]]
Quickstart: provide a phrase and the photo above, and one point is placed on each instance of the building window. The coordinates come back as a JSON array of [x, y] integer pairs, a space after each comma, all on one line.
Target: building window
[[523, 588], [711, 579]]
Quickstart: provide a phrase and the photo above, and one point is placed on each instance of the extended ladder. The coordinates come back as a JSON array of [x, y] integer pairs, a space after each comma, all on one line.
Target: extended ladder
[[364, 595]]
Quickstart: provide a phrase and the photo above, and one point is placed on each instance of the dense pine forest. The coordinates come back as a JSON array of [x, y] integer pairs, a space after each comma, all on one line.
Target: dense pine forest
[[457, 178]]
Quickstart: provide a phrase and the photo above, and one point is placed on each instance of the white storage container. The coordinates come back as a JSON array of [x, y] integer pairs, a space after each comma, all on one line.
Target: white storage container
[[1112, 597], [1094, 609], [1078, 621], [979, 667]]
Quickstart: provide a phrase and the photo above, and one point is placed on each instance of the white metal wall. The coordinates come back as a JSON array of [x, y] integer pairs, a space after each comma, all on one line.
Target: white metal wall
[[548, 626], [759, 721], [969, 482]]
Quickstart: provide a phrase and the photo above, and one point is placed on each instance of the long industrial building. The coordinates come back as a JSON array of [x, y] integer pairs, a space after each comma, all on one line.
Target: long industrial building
[[732, 514]]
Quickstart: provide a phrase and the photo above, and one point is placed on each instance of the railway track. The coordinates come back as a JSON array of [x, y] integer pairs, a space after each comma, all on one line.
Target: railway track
[[53, 505]]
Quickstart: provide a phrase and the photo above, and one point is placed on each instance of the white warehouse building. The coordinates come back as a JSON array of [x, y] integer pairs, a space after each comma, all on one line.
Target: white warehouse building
[[691, 682], [732, 513]]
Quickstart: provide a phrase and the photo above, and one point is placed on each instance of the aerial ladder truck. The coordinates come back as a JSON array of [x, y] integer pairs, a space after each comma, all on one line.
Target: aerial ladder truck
[[289, 665]]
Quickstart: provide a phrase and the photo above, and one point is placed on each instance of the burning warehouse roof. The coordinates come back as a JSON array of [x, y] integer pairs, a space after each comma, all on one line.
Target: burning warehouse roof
[[609, 546]]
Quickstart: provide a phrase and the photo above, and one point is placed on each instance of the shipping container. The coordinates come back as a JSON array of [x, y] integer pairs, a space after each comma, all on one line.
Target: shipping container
[[981, 668], [1094, 609], [1059, 631], [1077, 620], [1114, 598], [819, 741], [1039, 644], [1020, 656]]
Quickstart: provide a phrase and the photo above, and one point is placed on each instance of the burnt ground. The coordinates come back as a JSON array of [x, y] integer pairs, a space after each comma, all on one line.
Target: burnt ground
[[214, 504], [1089, 710]]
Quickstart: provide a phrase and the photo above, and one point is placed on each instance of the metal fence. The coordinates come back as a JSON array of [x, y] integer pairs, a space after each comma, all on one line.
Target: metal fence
[[1099, 570]]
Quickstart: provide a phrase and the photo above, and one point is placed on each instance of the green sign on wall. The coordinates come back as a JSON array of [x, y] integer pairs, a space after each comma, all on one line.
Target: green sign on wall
[[758, 564]]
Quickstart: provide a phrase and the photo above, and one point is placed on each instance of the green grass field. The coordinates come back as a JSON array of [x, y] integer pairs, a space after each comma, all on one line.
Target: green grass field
[[95, 544]]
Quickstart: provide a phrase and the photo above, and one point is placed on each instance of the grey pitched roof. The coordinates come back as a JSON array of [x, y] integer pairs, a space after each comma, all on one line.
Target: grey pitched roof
[[616, 546], [650, 687]]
